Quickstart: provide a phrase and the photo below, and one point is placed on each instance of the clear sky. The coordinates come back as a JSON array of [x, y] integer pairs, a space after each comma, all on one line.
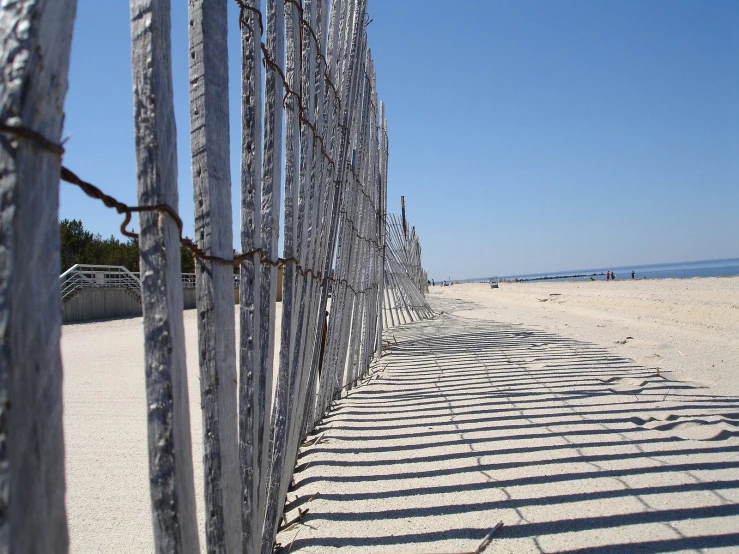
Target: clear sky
[[526, 136]]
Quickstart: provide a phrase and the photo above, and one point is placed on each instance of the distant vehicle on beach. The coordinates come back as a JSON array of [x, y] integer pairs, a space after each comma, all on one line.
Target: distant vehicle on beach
[[494, 282]]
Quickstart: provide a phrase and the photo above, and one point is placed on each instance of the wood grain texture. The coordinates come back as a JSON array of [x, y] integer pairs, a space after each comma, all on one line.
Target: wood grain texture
[[209, 141], [382, 206], [349, 63], [281, 410], [170, 447], [270, 214], [312, 338], [332, 196], [35, 41], [306, 216], [254, 389]]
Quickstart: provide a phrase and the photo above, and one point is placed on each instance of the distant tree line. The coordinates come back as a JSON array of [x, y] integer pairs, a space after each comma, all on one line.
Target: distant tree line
[[80, 246]]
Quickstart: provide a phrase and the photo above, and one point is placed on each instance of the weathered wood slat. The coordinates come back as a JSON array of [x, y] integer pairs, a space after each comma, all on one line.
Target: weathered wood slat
[[382, 204], [318, 234], [209, 136], [304, 210], [255, 385], [352, 76], [352, 319], [35, 45], [271, 183], [170, 449], [271, 180], [290, 279], [333, 191]]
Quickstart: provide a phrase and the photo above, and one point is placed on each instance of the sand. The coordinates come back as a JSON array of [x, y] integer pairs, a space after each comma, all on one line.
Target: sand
[[510, 408], [688, 328], [503, 408], [108, 501]]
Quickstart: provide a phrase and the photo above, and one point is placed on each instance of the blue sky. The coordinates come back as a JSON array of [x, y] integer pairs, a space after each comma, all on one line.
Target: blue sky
[[526, 136]]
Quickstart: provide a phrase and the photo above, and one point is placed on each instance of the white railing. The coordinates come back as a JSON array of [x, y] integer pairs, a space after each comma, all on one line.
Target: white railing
[[81, 276], [188, 279]]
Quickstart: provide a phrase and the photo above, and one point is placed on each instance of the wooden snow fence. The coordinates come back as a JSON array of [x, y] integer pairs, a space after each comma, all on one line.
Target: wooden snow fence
[[303, 62], [405, 282]]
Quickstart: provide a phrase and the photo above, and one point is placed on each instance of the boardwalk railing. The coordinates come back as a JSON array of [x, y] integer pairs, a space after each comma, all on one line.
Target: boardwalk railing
[[308, 97], [82, 276]]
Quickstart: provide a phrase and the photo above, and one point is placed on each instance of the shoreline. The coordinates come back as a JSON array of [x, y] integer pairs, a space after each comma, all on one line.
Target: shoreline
[[569, 279]]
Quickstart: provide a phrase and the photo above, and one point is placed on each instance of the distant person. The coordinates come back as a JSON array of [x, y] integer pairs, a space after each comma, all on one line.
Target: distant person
[[633, 274], [608, 275], [613, 276], [433, 283]]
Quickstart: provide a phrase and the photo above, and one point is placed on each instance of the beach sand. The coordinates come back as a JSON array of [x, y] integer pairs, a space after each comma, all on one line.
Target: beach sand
[[505, 407], [688, 328], [528, 405], [108, 502]]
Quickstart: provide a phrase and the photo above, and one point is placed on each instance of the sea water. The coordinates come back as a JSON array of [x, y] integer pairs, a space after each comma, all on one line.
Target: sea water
[[678, 270]]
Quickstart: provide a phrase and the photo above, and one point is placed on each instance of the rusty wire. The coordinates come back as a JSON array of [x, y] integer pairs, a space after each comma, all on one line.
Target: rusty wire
[[242, 17], [268, 61], [34, 136], [127, 211]]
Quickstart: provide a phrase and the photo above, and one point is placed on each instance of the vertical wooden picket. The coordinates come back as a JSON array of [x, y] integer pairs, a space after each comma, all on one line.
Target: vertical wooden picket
[[170, 448], [35, 48], [381, 216], [270, 217], [209, 135], [254, 387], [281, 410]]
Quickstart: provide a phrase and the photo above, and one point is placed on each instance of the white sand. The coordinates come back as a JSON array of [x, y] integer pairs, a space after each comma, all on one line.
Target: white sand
[[575, 447], [108, 499], [504, 408], [689, 327]]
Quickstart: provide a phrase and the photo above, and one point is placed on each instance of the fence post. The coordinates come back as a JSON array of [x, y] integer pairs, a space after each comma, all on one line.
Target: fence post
[[209, 136], [34, 53], [170, 447]]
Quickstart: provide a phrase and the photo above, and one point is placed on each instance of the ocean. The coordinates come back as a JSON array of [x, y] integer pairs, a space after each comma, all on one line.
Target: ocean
[[678, 270]]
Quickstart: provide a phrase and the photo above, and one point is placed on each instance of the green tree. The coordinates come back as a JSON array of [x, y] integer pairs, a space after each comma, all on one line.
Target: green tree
[[74, 242], [187, 260], [79, 246]]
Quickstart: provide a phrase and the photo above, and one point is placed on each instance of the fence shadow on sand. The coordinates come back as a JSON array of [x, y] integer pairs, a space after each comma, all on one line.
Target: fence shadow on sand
[[468, 422]]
